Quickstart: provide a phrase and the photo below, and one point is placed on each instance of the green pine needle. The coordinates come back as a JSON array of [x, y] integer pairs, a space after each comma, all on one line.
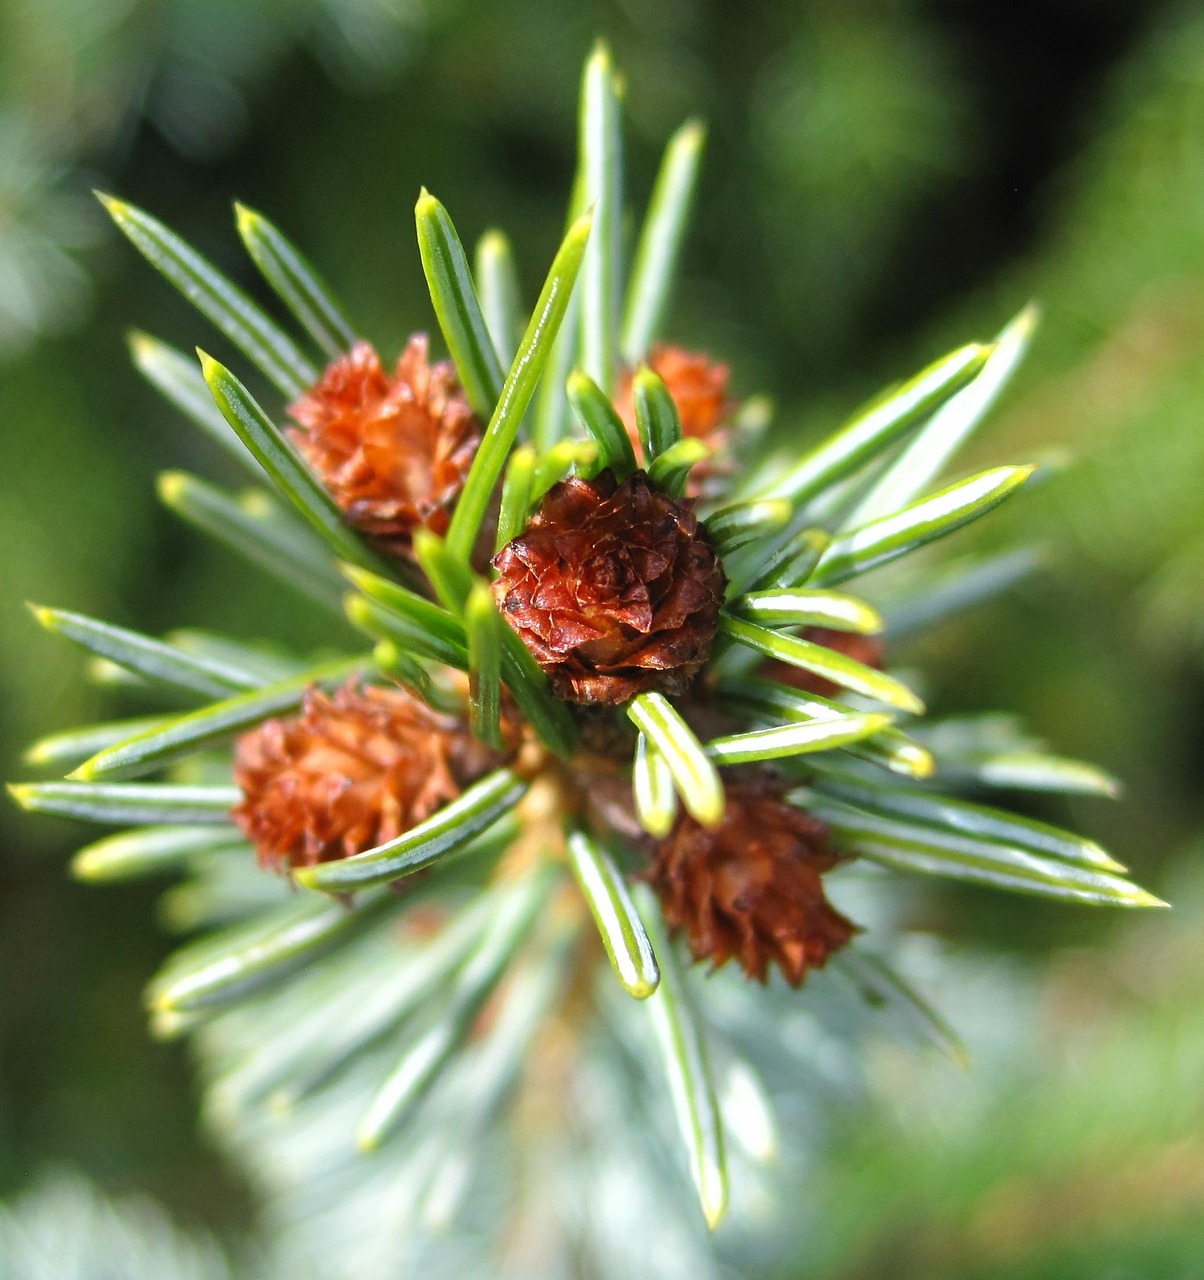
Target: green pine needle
[[260, 339], [516, 393], [295, 282], [457, 306]]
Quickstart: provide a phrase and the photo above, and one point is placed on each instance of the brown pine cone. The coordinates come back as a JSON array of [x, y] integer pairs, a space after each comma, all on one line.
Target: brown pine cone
[[393, 451], [614, 589], [351, 772], [753, 888], [698, 386]]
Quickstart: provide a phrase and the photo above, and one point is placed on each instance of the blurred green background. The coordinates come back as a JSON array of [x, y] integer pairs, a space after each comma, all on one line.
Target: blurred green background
[[883, 179]]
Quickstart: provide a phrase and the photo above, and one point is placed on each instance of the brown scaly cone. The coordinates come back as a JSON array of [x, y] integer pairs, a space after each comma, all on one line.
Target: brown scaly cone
[[698, 386], [614, 589], [868, 650], [393, 450], [752, 889], [352, 771]]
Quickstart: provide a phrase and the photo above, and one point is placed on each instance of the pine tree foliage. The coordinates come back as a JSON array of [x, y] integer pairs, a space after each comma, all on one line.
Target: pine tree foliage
[[63, 1228], [475, 1043]]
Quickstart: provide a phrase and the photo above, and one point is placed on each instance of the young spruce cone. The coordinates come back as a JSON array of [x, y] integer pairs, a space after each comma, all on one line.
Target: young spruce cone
[[753, 888], [613, 588], [351, 772], [698, 386], [393, 451]]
